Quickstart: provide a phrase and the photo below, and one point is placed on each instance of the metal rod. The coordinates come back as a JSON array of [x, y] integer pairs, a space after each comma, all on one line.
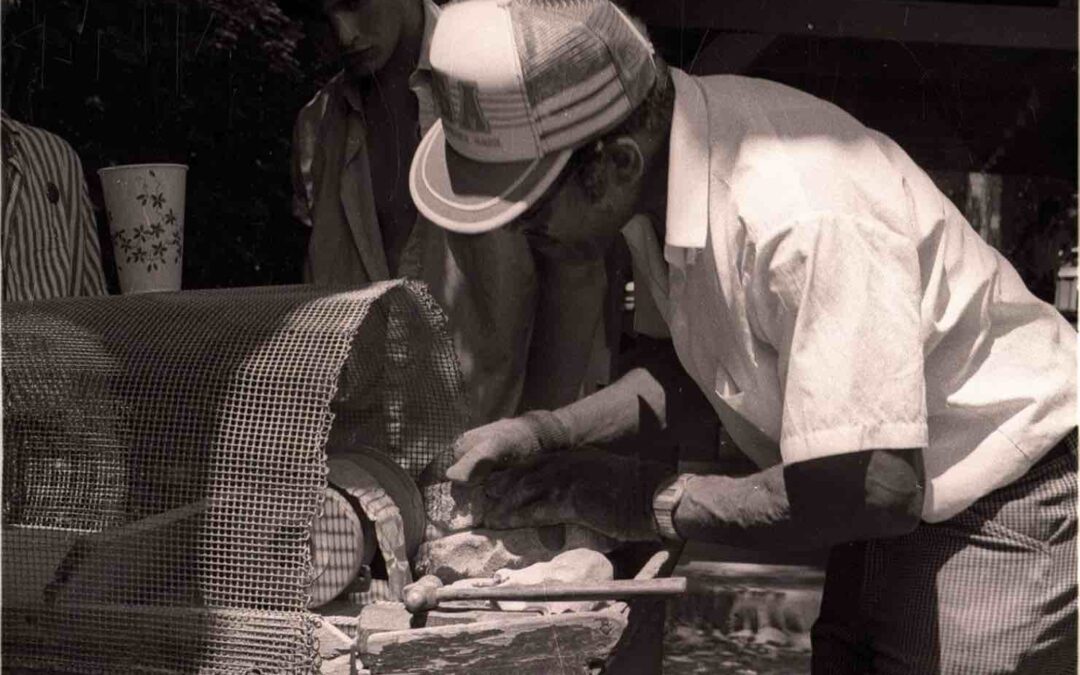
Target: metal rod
[[569, 591]]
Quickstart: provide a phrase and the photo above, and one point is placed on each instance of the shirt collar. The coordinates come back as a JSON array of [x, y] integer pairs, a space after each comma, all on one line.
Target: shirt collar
[[10, 128], [687, 223], [10, 141]]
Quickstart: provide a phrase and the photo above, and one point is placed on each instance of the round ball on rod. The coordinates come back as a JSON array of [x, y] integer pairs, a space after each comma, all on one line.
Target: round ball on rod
[[420, 598]]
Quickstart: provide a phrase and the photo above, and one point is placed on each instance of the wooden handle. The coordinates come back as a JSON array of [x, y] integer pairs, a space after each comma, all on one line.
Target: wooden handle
[[600, 590], [421, 597]]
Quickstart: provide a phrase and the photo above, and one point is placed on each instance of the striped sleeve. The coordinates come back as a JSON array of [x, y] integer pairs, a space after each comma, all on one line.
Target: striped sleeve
[[51, 248], [40, 265]]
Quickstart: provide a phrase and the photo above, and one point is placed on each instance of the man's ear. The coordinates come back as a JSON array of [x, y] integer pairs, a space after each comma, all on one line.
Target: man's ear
[[627, 159]]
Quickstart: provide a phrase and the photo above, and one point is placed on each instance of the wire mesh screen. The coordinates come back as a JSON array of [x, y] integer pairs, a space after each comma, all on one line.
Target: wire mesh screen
[[165, 454], [394, 388]]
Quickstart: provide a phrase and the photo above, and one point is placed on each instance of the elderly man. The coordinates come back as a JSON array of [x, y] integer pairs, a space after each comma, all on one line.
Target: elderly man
[[907, 399], [352, 145]]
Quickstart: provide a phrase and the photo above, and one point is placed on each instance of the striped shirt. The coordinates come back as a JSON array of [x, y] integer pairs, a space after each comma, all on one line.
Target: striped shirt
[[49, 237]]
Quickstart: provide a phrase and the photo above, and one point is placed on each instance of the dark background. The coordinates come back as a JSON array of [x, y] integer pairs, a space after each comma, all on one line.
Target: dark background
[[216, 84]]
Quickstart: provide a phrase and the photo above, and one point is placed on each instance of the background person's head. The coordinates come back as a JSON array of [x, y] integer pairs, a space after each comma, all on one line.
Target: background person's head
[[554, 113], [370, 34]]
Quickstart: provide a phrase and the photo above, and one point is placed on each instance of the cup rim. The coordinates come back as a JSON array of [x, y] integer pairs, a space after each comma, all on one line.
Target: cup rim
[[163, 165]]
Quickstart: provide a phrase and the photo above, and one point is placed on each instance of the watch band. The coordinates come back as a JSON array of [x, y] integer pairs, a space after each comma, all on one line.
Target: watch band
[[665, 501]]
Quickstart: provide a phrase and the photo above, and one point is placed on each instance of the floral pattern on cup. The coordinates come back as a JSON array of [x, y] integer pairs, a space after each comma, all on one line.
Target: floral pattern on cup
[[157, 241]]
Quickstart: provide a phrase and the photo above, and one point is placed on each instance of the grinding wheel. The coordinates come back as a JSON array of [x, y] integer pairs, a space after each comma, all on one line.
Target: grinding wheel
[[390, 499], [371, 503], [399, 486]]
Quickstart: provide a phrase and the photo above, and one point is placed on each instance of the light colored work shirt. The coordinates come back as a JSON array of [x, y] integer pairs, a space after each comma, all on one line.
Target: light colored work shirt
[[828, 298], [50, 241]]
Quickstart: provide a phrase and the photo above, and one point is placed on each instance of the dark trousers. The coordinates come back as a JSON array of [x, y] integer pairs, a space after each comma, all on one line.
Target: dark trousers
[[991, 590]]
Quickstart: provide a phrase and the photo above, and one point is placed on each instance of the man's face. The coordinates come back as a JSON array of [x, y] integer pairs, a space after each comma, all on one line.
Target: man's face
[[572, 222], [366, 32]]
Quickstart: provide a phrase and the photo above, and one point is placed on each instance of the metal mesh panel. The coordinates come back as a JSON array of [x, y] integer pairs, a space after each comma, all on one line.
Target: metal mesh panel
[[164, 456], [394, 385]]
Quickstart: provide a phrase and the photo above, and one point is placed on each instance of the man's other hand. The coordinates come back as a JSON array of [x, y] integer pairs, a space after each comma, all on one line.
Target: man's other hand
[[499, 444], [504, 443], [605, 492]]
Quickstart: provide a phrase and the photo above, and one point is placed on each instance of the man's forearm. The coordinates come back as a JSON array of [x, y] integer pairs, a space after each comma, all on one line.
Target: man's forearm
[[749, 512], [866, 495], [619, 410]]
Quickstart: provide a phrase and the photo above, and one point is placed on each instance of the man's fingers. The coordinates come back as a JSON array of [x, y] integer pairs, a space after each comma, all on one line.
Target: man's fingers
[[475, 459], [479, 452], [472, 468], [471, 441]]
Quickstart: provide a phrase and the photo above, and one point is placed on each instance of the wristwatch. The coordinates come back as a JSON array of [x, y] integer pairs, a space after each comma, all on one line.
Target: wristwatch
[[665, 501]]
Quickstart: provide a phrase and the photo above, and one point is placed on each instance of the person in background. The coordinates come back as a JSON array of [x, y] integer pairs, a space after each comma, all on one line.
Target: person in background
[[353, 140], [907, 400], [49, 238], [352, 145]]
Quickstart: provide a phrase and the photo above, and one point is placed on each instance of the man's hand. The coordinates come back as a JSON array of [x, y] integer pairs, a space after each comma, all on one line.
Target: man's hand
[[504, 443], [605, 492], [619, 410]]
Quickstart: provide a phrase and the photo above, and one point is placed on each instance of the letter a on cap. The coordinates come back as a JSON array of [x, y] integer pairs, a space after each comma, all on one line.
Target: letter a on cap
[[472, 116], [440, 89]]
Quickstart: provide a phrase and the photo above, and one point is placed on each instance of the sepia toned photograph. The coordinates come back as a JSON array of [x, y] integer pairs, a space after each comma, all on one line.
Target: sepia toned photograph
[[539, 337]]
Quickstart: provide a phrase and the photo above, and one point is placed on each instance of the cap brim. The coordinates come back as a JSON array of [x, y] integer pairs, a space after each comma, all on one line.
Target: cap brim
[[464, 195]]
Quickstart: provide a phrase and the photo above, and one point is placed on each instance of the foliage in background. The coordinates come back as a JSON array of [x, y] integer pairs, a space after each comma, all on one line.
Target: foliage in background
[[264, 24], [214, 84]]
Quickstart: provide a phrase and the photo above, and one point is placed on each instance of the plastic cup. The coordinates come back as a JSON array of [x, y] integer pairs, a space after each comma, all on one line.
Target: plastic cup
[[145, 207]]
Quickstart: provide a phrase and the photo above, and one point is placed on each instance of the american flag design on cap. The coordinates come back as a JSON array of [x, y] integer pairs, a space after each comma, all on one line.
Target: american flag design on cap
[[557, 73], [518, 85]]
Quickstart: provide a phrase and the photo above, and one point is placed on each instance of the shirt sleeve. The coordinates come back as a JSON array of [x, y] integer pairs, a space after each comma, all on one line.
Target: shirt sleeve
[[300, 169], [89, 276], [488, 286], [838, 297], [563, 343]]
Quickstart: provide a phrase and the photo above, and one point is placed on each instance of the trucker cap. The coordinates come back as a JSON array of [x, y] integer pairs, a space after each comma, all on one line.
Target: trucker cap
[[518, 85]]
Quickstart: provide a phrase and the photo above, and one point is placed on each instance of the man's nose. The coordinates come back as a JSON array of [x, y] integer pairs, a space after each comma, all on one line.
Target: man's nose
[[345, 28]]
